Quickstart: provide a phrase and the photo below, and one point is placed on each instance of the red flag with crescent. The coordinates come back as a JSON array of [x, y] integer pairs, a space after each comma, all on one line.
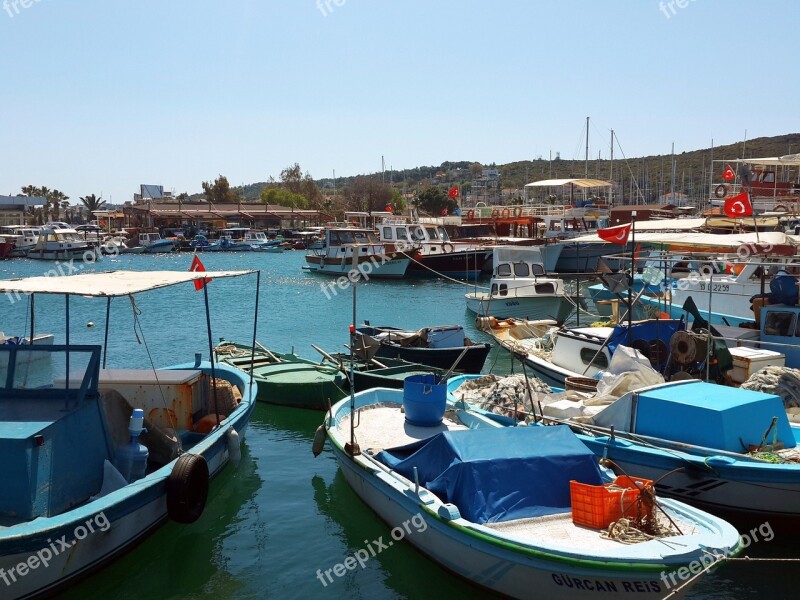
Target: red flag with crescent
[[454, 193], [728, 174], [615, 235], [198, 267], [738, 206]]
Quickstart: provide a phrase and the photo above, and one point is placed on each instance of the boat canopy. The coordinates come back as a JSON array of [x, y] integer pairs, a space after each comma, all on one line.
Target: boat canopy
[[787, 160], [700, 240], [109, 284], [582, 183], [494, 475]]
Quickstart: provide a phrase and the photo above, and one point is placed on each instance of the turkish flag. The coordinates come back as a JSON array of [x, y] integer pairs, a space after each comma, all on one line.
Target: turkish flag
[[444, 211], [454, 193], [198, 267], [728, 174], [615, 235], [738, 206]]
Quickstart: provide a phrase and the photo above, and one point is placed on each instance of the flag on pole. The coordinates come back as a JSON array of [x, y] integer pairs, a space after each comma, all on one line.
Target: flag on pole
[[444, 211], [198, 267], [738, 206], [454, 193], [615, 235], [728, 174]]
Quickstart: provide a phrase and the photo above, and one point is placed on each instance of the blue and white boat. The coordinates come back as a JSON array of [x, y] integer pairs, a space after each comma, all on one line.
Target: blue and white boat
[[79, 487], [150, 243], [492, 505]]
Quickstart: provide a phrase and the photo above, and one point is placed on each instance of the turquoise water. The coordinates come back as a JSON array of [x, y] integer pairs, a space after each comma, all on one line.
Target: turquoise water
[[280, 515]]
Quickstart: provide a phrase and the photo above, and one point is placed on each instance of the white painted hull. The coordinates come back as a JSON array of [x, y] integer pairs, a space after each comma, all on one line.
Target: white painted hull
[[725, 296], [525, 307], [375, 267], [84, 253]]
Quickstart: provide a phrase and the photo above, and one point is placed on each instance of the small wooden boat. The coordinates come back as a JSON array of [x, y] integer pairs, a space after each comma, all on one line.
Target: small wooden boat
[[440, 347], [291, 380], [494, 505]]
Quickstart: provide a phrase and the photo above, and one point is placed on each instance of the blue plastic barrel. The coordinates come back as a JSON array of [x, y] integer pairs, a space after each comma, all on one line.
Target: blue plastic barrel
[[424, 400]]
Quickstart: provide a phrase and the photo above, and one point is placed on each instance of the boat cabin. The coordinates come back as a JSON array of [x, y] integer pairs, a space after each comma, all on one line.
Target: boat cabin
[[145, 239], [342, 243]]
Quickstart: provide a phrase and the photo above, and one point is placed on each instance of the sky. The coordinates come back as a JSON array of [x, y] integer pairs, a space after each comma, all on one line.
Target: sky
[[99, 96]]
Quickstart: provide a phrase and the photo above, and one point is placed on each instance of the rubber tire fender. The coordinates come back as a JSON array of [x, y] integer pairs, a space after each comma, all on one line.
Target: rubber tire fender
[[187, 488]]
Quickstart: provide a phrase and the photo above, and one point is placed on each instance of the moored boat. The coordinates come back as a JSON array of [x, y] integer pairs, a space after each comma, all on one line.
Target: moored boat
[[75, 468], [348, 249], [150, 243], [55, 243], [518, 534]]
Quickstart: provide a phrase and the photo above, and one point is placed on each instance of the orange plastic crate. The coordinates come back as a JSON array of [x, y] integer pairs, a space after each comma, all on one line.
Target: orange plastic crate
[[597, 506]]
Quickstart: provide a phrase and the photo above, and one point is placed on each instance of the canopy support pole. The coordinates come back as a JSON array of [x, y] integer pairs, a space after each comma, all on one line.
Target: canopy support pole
[[255, 329], [105, 338], [211, 352]]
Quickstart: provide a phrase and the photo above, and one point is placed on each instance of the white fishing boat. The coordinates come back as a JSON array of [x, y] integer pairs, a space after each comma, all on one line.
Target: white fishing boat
[[150, 243], [347, 249], [77, 466], [57, 243], [22, 237], [496, 507], [520, 288]]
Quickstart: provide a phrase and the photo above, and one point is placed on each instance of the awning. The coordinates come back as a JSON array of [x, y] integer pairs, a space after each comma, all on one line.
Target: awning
[[697, 240], [109, 284], [582, 183], [787, 160]]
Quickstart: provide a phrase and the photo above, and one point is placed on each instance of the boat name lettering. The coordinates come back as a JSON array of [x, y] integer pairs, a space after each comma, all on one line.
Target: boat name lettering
[[597, 585], [43, 557]]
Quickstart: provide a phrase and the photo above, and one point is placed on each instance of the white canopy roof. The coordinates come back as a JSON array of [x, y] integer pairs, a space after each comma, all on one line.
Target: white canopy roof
[[787, 160], [700, 240], [108, 284], [583, 183]]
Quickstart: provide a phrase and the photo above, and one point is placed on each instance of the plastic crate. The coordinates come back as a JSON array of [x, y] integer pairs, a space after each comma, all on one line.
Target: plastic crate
[[597, 506]]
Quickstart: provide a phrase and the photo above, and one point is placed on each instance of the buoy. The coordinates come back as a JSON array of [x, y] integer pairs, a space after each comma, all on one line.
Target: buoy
[[518, 211], [470, 214], [90, 324], [187, 488], [319, 440], [234, 446], [506, 213], [721, 190]]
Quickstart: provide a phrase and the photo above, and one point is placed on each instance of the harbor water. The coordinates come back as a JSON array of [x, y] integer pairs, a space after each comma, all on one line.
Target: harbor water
[[280, 517]]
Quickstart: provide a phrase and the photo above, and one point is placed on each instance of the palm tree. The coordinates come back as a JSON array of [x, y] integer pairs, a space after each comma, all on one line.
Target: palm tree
[[92, 203]]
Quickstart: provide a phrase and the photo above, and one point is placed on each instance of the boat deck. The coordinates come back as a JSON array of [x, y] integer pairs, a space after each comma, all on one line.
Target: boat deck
[[384, 426]]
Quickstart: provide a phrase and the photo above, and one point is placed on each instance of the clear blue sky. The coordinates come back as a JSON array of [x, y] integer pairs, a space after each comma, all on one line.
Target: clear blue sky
[[100, 96]]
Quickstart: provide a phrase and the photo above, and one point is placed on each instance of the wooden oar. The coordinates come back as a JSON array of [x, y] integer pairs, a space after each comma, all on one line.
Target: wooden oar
[[270, 354], [458, 360], [372, 360]]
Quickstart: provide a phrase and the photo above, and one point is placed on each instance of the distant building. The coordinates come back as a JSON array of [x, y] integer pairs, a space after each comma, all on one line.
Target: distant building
[[12, 208], [485, 188]]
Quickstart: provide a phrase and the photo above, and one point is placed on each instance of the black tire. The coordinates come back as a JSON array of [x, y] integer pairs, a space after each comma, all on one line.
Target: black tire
[[187, 489]]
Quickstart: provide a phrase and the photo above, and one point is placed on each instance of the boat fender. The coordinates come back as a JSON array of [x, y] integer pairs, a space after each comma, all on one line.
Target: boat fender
[[447, 247], [518, 211], [721, 190], [506, 213], [319, 440], [187, 489], [234, 446], [470, 214], [449, 512]]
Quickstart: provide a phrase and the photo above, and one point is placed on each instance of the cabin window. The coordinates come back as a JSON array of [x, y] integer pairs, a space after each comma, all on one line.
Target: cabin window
[[387, 233], [537, 270], [545, 288], [443, 234], [432, 233], [504, 270], [779, 323], [503, 289], [401, 233], [769, 177], [521, 270], [587, 354], [418, 234], [494, 289]]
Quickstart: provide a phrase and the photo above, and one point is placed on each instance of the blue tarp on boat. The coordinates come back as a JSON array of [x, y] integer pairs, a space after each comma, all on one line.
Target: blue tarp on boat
[[495, 475], [661, 329]]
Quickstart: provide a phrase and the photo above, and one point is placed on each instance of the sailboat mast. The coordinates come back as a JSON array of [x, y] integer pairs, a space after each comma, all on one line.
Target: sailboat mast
[[611, 173], [586, 170]]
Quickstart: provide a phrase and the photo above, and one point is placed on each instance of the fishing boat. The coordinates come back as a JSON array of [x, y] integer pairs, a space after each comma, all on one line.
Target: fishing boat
[[494, 505], [351, 248], [21, 237], [83, 483], [431, 251], [520, 288], [150, 243], [291, 380], [441, 347], [555, 354], [55, 243]]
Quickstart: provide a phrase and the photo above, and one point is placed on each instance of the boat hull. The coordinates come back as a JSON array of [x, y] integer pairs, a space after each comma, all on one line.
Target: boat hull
[[163, 246], [442, 358], [371, 266], [458, 265], [131, 514], [525, 307], [82, 253], [580, 258]]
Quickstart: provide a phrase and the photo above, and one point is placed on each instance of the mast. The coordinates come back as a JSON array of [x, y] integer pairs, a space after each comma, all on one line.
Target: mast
[[611, 173], [672, 186], [586, 170]]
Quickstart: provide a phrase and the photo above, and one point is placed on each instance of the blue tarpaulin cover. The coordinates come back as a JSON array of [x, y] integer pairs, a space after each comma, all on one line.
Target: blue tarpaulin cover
[[661, 329], [495, 475]]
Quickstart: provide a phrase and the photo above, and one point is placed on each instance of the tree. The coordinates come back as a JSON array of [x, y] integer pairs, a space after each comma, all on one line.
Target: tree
[[293, 179], [398, 202], [368, 194], [283, 197], [92, 203], [434, 199], [220, 192]]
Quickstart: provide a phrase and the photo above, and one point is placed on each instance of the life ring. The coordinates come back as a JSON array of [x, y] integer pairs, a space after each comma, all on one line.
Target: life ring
[[506, 213], [495, 213], [187, 489], [470, 214], [445, 247], [518, 211], [721, 190], [779, 208]]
